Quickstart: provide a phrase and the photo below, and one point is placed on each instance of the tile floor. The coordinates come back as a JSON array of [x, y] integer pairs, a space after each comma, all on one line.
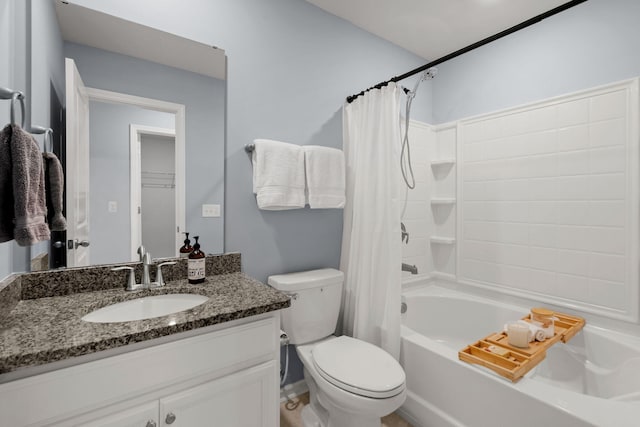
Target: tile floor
[[290, 414]]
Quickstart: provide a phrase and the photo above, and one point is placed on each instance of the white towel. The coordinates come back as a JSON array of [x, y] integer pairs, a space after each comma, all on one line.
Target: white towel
[[278, 175], [324, 169]]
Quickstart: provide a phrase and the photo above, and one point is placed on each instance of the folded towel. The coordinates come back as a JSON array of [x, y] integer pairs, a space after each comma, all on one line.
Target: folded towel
[[27, 185], [325, 176], [54, 184], [278, 175], [536, 333], [6, 186]]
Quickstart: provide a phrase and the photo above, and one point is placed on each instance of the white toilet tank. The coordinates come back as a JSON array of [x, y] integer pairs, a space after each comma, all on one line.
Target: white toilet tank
[[315, 303]]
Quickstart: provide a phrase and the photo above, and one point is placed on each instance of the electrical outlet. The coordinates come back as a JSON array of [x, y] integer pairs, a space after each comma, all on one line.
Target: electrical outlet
[[112, 206], [210, 211]]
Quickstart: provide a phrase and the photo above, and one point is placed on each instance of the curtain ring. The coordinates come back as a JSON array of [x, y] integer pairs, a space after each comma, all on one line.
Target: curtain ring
[[17, 96]]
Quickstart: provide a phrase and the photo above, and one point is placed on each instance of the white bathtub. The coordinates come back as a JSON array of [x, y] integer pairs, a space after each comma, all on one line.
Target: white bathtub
[[592, 381]]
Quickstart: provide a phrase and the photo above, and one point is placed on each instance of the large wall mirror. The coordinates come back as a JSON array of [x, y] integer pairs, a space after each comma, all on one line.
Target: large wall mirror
[[142, 141]]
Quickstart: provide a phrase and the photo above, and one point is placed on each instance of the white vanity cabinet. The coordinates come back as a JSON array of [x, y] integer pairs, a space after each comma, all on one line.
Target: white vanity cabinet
[[227, 377], [144, 415]]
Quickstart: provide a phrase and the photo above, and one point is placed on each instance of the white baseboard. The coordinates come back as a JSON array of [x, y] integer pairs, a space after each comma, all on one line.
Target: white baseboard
[[290, 391]]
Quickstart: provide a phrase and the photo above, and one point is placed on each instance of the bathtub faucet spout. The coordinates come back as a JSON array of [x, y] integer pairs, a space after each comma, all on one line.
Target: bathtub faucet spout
[[410, 268]]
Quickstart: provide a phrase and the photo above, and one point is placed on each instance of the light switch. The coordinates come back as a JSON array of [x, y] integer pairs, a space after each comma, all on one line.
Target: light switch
[[112, 206], [210, 211]]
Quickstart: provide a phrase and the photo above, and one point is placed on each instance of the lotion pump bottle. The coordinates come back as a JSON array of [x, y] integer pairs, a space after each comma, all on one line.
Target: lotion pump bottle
[[196, 264], [186, 249]]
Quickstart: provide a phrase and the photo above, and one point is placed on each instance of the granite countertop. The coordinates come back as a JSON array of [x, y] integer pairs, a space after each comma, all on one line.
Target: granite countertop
[[43, 330]]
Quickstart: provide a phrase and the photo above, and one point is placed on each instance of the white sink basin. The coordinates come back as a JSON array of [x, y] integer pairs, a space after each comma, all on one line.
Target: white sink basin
[[145, 308]]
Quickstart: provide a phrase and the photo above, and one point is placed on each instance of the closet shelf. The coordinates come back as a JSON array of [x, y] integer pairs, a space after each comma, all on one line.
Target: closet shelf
[[442, 240], [443, 162], [443, 201]]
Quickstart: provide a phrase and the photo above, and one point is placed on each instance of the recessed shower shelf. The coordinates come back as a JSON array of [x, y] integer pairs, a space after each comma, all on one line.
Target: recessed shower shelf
[[443, 201], [442, 240], [443, 162]]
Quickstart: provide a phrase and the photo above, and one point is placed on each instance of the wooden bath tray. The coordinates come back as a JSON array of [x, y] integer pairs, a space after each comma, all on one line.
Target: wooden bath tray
[[495, 353]]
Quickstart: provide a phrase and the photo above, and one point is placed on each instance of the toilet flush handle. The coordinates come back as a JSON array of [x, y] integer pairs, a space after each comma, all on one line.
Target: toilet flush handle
[[291, 295]]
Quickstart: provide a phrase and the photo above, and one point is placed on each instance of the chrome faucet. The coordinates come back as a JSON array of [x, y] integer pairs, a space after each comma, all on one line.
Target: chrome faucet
[[145, 258], [146, 262], [410, 268]]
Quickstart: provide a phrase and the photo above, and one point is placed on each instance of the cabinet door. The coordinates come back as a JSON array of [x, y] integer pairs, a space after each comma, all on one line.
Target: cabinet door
[[139, 416], [245, 399]]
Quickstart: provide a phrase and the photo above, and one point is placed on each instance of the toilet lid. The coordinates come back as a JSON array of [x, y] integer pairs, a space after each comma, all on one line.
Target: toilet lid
[[359, 367]]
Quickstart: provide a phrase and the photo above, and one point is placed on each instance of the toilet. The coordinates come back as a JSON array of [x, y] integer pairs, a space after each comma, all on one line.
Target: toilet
[[351, 383]]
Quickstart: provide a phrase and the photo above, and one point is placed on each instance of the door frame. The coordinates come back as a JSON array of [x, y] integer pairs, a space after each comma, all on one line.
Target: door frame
[[135, 160], [179, 110]]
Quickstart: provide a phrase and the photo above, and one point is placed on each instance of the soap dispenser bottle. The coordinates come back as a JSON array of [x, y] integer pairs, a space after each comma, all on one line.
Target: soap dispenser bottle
[[196, 264], [186, 249]]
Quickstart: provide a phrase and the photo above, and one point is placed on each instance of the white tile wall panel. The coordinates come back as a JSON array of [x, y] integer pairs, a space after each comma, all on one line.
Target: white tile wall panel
[[416, 210], [573, 138], [548, 197], [417, 246], [607, 267], [607, 187], [416, 217], [417, 227], [545, 142], [573, 213], [572, 188], [543, 258], [608, 106], [542, 189], [608, 294], [606, 133], [573, 113], [607, 213], [573, 262], [543, 235]]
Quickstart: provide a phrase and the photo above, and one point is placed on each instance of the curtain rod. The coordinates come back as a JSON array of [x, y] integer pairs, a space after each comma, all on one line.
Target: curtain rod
[[473, 46]]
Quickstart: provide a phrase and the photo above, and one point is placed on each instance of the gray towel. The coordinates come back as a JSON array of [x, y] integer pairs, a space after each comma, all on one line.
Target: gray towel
[[6, 188], [27, 184], [55, 187]]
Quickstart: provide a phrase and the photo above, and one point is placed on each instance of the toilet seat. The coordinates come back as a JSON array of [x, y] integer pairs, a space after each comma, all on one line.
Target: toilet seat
[[359, 367]]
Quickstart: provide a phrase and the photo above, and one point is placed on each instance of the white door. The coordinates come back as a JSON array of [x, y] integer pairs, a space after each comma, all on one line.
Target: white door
[[77, 159], [244, 399]]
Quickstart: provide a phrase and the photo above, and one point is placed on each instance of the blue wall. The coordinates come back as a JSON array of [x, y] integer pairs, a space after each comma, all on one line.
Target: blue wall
[[594, 43]]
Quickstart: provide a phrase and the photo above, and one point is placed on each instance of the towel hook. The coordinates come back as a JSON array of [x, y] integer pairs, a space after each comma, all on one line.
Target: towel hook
[[14, 95], [48, 136], [18, 96]]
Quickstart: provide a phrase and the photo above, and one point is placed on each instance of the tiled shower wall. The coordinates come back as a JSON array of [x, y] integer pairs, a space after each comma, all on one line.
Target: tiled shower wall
[[549, 200], [416, 211]]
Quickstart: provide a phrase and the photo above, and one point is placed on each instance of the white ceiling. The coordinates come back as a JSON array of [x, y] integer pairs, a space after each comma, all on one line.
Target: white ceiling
[[434, 28]]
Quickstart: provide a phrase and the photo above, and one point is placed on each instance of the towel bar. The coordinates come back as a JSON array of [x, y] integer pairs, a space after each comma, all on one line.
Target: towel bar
[[249, 148]]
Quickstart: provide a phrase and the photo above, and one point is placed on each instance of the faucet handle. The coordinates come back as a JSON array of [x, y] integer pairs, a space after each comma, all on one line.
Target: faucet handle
[[131, 284], [159, 278]]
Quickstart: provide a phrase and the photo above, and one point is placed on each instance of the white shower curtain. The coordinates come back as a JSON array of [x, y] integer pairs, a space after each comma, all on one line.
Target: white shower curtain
[[371, 253]]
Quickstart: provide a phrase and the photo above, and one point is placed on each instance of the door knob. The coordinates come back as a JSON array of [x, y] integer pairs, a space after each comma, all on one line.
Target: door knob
[[83, 243], [151, 423], [58, 244], [170, 418]]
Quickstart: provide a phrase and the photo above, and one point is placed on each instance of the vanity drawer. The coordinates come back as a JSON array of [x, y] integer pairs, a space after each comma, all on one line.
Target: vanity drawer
[[56, 395]]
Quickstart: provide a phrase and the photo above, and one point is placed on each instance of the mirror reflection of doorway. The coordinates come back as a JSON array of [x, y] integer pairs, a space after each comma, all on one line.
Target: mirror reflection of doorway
[[157, 193]]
